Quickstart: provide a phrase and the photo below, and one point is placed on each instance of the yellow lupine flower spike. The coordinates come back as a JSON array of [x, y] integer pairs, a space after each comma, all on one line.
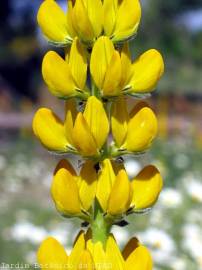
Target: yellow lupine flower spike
[[66, 78], [74, 193], [49, 129], [53, 22], [146, 187], [82, 133], [133, 132], [89, 19]]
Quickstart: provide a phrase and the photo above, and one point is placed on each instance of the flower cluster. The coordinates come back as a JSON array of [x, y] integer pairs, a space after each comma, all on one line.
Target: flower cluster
[[97, 70]]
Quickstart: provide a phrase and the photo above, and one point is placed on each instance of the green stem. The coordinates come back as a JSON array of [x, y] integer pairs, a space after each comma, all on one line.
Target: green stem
[[100, 226]]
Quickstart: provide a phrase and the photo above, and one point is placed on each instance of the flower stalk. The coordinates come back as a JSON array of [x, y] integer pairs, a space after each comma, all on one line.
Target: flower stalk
[[97, 69]]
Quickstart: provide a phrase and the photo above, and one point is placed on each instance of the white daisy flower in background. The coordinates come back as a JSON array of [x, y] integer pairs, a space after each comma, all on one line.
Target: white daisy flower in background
[[193, 188], [171, 198]]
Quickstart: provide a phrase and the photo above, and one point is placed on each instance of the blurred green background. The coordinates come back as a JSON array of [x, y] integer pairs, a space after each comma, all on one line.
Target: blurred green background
[[173, 229]]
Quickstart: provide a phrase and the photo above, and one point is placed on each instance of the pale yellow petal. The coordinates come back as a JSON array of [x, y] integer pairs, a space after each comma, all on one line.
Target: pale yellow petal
[[87, 184], [70, 23], [57, 75], [52, 21], [113, 76], [126, 65], [110, 8], [142, 129], [79, 247], [114, 254], [86, 261], [140, 258], [101, 56], [78, 63], [119, 120], [49, 129], [106, 180], [95, 14], [81, 22], [97, 120], [70, 117], [98, 254], [119, 199], [147, 71], [146, 187], [83, 138], [51, 254], [126, 25], [65, 193]]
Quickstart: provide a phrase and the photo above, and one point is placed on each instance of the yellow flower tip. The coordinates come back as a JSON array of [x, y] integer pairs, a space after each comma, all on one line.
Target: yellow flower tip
[[102, 53], [63, 163], [49, 129], [53, 22], [115, 257], [86, 261], [142, 129], [119, 200], [147, 71], [97, 120], [106, 180], [65, 193], [148, 182], [78, 63], [87, 184], [57, 75], [51, 253], [140, 258], [132, 244], [83, 138], [127, 26]]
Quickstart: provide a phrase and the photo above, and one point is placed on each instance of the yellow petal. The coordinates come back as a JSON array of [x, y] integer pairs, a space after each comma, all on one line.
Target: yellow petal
[[114, 254], [113, 76], [52, 21], [51, 255], [110, 10], [98, 254], [126, 26], [86, 261], [132, 244], [63, 163], [57, 75], [81, 21], [71, 113], [83, 138], [97, 120], [95, 14], [87, 184], [119, 199], [106, 180], [140, 258], [126, 65], [146, 187], [101, 56], [142, 129], [78, 63], [49, 129], [147, 71], [65, 193], [70, 23], [119, 120], [77, 250]]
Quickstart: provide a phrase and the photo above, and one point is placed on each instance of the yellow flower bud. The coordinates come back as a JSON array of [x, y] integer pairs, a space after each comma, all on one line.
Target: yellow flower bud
[[146, 187], [65, 78], [49, 129]]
